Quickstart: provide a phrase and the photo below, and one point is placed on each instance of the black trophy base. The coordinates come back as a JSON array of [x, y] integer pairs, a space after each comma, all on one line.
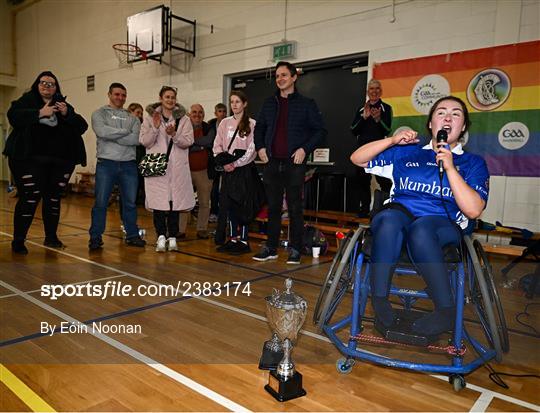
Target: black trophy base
[[284, 390], [270, 359], [401, 331]]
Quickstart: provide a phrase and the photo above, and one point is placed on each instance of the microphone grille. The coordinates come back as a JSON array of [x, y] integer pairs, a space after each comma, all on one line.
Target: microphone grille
[[442, 136]]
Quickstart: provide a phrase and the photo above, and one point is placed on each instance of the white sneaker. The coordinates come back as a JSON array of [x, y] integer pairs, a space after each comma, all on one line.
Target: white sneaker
[[171, 244], [161, 244]]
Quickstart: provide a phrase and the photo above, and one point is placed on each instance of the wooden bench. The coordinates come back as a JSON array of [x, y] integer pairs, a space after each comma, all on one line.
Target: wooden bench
[[347, 221], [504, 249], [512, 250], [327, 229], [510, 233], [341, 218]]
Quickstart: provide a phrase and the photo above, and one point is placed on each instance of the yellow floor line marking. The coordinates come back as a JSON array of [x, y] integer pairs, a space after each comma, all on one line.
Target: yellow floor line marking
[[23, 392]]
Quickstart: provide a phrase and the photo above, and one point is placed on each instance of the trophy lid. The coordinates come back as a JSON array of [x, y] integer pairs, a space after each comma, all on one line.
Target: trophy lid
[[287, 300]]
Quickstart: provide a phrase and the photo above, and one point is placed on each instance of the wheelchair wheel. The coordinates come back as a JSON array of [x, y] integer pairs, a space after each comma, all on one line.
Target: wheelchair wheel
[[330, 276], [484, 296], [494, 295], [338, 281], [457, 381], [345, 365]]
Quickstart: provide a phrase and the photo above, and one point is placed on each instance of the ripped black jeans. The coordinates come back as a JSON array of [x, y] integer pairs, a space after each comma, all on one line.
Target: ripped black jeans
[[35, 181]]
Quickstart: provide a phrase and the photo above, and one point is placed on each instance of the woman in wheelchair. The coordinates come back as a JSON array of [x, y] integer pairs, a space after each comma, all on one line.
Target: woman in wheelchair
[[436, 189]]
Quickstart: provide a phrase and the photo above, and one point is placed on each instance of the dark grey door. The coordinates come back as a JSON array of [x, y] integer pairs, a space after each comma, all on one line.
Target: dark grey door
[[339, 88]]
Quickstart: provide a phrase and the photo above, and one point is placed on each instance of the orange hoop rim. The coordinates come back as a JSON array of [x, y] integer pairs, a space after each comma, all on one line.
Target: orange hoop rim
[[130, 49]]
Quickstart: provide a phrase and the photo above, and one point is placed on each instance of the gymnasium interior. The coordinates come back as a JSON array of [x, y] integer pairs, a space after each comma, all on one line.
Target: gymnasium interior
[[187, 330]]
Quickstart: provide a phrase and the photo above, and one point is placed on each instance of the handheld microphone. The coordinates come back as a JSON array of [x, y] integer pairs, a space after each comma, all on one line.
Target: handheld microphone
[[442, 136]]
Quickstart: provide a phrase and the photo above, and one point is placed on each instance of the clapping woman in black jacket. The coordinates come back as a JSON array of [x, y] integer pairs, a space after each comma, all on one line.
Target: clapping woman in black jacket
[[43, 149]]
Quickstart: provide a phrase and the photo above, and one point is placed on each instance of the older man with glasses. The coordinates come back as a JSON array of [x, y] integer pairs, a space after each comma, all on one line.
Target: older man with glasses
[[220, 113], [198, 164]]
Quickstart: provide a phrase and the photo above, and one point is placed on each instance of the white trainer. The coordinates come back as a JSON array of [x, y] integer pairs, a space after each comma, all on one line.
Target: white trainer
[[161, 244], [171, 244]]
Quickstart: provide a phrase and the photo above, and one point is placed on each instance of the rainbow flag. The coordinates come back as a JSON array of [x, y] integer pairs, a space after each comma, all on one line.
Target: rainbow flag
[[501, 86]]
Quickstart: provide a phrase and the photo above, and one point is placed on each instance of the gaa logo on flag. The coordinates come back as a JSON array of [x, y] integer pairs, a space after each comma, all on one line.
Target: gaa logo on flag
[[513, 135], [488, 89]]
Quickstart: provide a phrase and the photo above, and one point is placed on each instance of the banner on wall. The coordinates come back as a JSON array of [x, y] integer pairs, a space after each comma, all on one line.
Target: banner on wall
[[501, 86]]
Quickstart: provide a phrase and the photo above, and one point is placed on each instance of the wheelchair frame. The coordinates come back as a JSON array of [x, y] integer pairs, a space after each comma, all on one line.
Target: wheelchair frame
[[471, 281]]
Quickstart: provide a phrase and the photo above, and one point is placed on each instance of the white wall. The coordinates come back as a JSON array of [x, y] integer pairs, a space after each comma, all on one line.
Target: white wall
[[74, 38]]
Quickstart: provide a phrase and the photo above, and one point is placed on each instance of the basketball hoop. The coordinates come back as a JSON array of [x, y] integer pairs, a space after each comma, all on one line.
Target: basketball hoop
[[127, 53]]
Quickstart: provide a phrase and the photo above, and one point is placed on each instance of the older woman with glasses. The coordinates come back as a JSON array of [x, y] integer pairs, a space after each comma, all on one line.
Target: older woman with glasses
[[43, 149]]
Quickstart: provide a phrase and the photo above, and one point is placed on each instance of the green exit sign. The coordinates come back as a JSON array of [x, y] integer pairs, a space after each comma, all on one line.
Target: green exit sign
[[283, 51]]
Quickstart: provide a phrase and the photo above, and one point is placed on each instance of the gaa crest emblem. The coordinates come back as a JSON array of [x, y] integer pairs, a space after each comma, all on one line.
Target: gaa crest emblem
[[488, 89]]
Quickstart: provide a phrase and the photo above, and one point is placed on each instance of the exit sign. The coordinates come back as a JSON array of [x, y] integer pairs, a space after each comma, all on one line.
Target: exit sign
[[284, 51]]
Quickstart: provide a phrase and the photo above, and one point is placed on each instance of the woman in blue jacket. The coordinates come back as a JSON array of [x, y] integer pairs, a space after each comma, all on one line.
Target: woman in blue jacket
[[427, 210]]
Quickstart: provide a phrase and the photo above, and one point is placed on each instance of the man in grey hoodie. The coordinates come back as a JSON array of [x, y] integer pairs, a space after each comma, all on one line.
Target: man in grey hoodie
[[117, 134]]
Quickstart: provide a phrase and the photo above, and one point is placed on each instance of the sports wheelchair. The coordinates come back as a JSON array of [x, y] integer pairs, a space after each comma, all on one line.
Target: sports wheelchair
[[474, 291]]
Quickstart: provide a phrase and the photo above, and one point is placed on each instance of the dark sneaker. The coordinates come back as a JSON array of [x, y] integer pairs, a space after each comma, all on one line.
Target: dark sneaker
[[435, 323], [294, 257], [229, 245], [136, 242], [240, 248], [202, 234], [266, 254], [95, 244], [53, 243], [18, 247], [220, 238]]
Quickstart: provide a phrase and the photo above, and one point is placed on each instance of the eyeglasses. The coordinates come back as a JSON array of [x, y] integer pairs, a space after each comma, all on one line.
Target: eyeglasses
[[46, 84]]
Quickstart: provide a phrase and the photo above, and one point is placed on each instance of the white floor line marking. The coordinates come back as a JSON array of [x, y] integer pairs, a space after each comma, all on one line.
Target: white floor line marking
[[504, 397], [193, 385], [501, 396], [77, 283], [483, 402], [261, 318]]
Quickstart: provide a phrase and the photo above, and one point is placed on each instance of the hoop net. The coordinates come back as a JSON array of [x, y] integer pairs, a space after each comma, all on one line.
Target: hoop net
[[126, 53]]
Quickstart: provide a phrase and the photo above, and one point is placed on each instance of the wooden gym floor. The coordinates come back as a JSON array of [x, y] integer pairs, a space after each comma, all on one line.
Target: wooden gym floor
[[201, 354]]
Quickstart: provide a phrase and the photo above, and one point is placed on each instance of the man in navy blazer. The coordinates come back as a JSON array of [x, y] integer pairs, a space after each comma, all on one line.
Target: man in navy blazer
[[289, 127]]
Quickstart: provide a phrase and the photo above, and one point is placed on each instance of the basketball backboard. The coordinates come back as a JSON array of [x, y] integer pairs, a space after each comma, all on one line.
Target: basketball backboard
[[147, 31], [157, 30]]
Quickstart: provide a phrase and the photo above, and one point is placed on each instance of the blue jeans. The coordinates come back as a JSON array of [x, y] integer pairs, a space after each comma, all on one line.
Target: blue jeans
[[425, 238], [109, 173]]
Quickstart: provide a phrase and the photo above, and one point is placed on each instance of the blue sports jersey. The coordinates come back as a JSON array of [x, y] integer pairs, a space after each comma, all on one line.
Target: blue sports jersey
[[415, 176]]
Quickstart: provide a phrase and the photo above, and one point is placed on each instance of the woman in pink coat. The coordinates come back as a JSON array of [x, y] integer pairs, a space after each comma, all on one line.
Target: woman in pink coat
[[171, 193]]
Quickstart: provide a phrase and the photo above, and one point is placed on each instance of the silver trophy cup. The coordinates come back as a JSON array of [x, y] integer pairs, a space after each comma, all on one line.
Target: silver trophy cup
[[286, 313]]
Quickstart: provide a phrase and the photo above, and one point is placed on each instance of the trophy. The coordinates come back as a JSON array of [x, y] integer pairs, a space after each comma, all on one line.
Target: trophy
[[286, 312]]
